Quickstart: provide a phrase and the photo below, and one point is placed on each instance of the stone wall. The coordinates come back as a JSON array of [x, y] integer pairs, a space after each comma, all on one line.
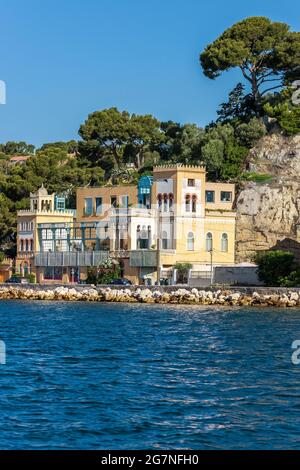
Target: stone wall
[[268, 214], [242, 296]]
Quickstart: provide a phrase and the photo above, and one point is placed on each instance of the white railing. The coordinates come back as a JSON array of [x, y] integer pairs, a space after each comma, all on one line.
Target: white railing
[[71, 259]]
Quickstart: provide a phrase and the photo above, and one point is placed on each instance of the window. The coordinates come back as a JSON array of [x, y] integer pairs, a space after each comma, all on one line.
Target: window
[[60, 205], [88, 206], [159, 199], [142, 238], [22, 245], [224, 243], [226, 196], [210, 196], [191, 183], [209, 242], [124, 202], [194, 203], [98, 205], [171, 201], [190, 242], [113, 201], [166, 205], [164, 240], [187, 203]]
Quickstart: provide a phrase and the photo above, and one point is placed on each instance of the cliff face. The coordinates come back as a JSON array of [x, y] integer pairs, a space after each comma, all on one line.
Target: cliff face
[[268, 215]]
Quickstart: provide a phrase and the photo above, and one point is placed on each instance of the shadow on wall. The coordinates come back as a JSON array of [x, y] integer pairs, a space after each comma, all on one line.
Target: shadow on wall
[[288, 244]]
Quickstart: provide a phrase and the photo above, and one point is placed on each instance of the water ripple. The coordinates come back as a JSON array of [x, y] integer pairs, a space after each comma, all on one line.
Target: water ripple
[[96, 376]]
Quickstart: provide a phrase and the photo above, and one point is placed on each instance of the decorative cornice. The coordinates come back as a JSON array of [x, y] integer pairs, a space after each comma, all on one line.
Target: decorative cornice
[[180, 166]]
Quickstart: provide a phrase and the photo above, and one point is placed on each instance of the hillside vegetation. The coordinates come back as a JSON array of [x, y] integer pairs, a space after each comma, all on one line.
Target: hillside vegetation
[[117, 147]]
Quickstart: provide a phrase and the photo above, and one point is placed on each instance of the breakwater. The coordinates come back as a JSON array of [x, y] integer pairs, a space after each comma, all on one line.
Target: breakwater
[[239, 296]]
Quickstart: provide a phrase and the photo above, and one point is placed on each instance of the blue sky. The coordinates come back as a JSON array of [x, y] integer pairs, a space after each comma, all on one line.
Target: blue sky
[[62, 59]]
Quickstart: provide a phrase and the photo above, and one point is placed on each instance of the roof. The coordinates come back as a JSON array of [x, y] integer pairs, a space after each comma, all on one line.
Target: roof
[[20, 158]]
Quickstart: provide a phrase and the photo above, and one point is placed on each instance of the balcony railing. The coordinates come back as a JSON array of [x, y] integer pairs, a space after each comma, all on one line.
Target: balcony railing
[[71, 259], [143, 258]]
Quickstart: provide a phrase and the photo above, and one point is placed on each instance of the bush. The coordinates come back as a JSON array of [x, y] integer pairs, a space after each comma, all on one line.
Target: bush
[[275, 268], [292, 280], [256, 177], [248, 134], [104, 273], [31, 278], [182, 272]]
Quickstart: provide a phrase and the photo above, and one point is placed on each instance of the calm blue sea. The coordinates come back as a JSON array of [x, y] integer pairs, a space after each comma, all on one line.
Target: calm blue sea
[[110, 376]]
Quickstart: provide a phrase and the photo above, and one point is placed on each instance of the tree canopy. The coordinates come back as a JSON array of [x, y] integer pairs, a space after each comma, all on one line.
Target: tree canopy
[[119, 137], [266, 52]]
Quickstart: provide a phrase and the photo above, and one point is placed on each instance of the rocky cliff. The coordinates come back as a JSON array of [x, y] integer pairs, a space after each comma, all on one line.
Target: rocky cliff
[[268, 214]]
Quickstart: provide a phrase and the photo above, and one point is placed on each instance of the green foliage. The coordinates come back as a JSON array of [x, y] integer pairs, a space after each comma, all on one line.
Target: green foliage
[[17, 148], [287, 116], [292, 280], [234, 157], [239, 106], [104, 273], [31, 278], [263, 50], [222, 154], [117, 137], [256, 177], [53, 167], [275, 267], [248, 134], [69, 147], [7, 222], [182, 272]]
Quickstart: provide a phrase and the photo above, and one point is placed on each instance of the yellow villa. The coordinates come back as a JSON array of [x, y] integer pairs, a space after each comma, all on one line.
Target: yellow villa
[[45, 210], [173, 216]]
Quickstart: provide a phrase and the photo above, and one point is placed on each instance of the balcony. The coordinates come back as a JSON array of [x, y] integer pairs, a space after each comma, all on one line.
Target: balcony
[[143, 258], [25, 255], [70, 259]]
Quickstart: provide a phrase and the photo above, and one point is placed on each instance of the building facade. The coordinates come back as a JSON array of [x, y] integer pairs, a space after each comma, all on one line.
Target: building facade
[[33, 238], [173, 216]]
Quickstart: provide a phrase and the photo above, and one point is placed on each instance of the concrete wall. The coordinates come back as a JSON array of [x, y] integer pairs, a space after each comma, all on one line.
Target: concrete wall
[[236, 275]]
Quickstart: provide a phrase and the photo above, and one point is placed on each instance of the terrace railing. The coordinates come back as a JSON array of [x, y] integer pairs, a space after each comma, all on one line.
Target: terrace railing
[[71, 259]]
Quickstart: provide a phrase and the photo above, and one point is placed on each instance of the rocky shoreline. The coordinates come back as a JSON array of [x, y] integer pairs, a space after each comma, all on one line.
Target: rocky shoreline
[[237, 297]]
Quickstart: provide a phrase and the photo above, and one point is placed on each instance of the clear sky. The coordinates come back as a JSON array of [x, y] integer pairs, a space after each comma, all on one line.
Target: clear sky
[[62, 59]]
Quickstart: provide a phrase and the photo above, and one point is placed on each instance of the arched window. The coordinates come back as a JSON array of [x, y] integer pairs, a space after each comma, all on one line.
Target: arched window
[[166, 203], [22, 245], [31, 245], [209, 242], [26, 245], [144, 242], [194, 203], [138, 237], [149, 236], [190, 242], [224, 243], [171, 201], [159, 199], [164, 238], [26, 269], [187, 203]]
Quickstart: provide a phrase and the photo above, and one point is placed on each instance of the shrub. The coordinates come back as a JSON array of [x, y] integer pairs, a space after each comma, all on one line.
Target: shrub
[[31, 278], [256, 177], [248, 134], [104, 273], [182, 272], [275, 267]]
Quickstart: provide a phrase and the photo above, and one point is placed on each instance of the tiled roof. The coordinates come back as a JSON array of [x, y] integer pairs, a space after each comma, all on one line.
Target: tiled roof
[[19, 158]]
